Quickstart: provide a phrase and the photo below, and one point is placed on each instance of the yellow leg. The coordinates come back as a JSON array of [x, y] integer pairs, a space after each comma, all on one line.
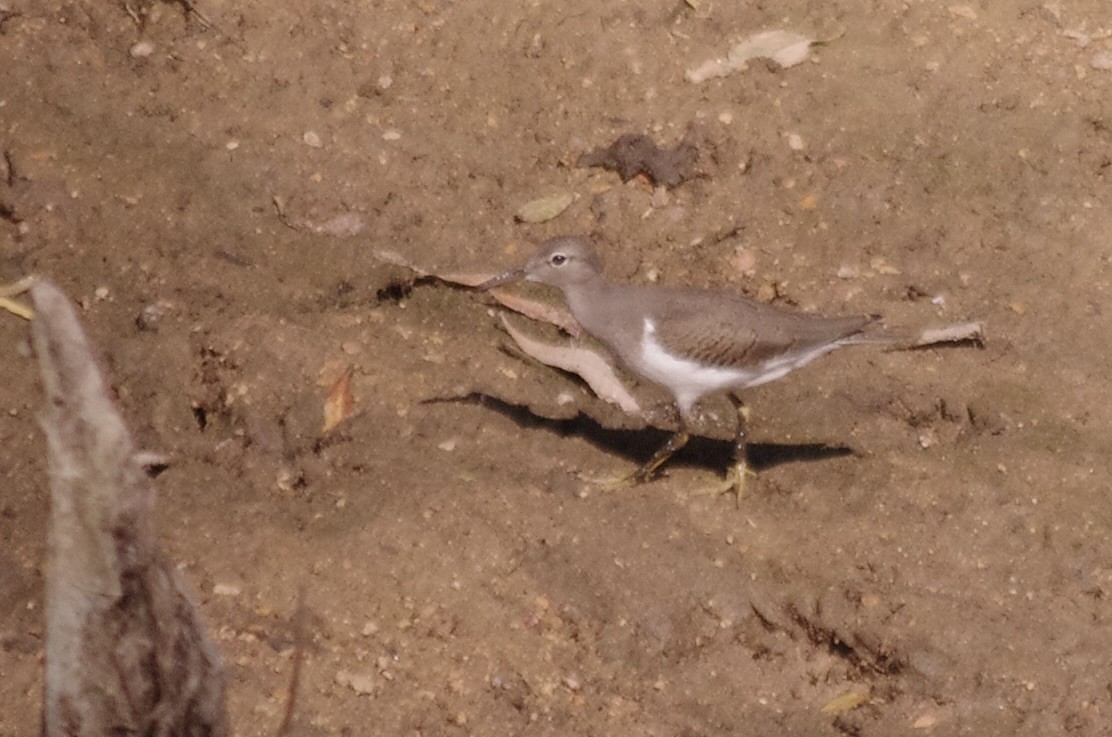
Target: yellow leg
[[739, 471], [645, 472]]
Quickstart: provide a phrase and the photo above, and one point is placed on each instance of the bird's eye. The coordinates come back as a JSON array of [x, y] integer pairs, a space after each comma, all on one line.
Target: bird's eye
[[558, 259]]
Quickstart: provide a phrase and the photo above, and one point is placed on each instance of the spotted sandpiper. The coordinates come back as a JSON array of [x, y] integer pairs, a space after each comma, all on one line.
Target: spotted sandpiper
[[692, 342]]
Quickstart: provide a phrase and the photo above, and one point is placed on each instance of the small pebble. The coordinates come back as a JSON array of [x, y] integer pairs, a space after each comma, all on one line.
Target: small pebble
[[100, 294], [312, 139], [391, 135], [385, 81], [743, 261], [231, 145], [963, 11], [725, 118], [226, 589], [1102, 61], [150, 317], [360, 683], [795, 142], [141, 50]]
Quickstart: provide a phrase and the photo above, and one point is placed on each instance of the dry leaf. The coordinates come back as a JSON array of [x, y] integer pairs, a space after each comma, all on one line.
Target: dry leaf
[[531, 308], [592, 367], [848, 701], [344, 225], [971, 331], [786, 48], [340, 403], [544, 209], [7, 291], [534, 310]]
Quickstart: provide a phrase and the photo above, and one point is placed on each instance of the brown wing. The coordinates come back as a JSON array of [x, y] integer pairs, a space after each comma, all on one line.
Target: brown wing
[[726, 329]]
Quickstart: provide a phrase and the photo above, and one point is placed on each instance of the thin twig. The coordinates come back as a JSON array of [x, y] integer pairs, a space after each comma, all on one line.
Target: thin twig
[[299, 641]]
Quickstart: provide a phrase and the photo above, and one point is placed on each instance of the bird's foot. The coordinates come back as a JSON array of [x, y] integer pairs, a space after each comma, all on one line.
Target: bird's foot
[[617, 481], [734, 483]]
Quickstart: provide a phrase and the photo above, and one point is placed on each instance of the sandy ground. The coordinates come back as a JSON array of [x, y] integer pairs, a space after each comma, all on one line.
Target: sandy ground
[[951, 569]]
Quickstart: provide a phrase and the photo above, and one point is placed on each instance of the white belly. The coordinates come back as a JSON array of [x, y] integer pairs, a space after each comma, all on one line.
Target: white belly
[[689, 381]]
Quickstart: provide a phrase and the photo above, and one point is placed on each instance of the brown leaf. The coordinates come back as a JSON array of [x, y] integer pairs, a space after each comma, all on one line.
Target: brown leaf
[[592, 367], [340, 403], [544, 209]]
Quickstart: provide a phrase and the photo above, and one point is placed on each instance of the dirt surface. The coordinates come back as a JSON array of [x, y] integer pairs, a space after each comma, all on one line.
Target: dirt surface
[[935, 163]]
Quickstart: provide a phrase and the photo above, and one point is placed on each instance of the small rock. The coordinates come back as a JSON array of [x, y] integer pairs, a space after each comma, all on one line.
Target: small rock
[[448, 445], [1102, 61], [141, 50], [231, 145], [312, 139], [100, 294], [660, 197], [385, 81], [361, 683], [846, 272], [795, 142], [743, 261], [391, 135], [226, 589], [150, 317], [963, 11]]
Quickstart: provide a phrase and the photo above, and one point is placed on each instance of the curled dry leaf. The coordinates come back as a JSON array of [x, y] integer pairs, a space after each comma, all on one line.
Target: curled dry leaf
[[544, 209], [542, 311], [591, 366], [786, 48], [968, 331], [340, 403], [531, 308], [344, 225]]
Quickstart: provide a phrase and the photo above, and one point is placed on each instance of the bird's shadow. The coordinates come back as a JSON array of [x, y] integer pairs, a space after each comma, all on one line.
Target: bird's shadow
[[639, 445]]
